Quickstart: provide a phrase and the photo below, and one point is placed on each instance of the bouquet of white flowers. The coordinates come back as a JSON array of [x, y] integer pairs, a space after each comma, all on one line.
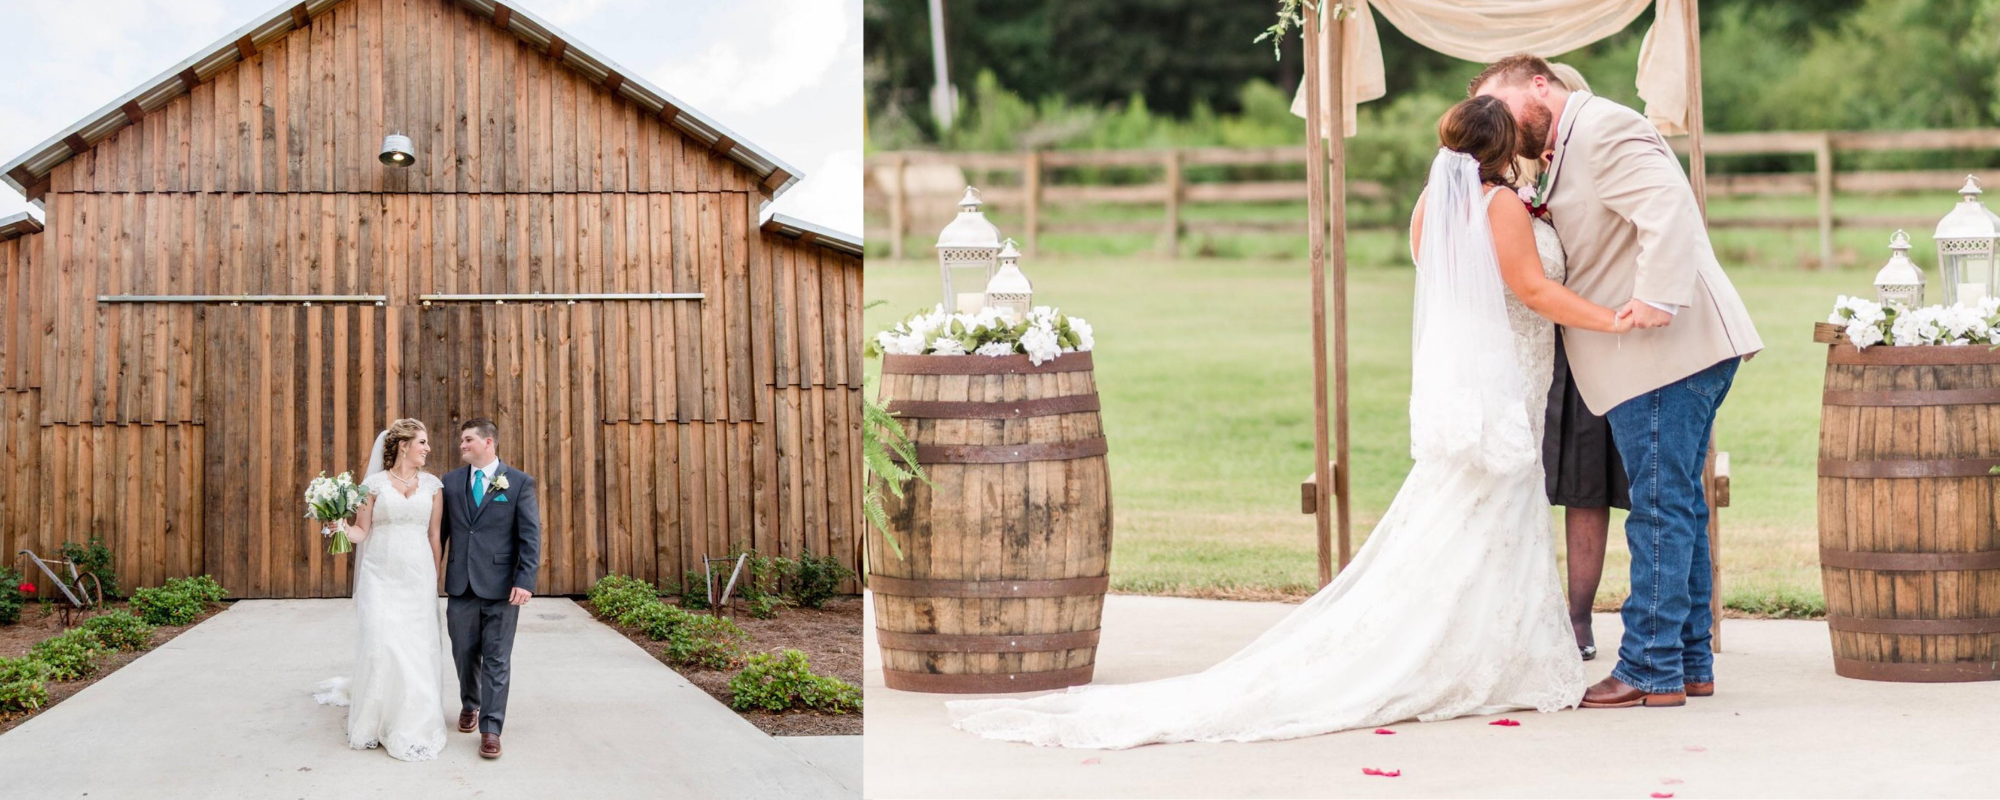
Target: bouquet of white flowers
[[1870, 323], [330, 500], [1045, 334]]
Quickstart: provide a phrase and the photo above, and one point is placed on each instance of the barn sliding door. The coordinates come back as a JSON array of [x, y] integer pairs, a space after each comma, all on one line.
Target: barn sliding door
[[292, 391]]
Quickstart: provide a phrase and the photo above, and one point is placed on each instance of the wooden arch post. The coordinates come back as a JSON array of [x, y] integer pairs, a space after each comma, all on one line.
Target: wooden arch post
[[1326, 236], [1712, 479]]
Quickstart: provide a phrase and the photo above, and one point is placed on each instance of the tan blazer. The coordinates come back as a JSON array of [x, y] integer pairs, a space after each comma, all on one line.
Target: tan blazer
[[1630, 228]]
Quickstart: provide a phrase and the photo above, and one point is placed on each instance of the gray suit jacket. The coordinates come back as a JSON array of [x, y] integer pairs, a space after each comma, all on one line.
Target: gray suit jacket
[[1630, 228], [495, 547]]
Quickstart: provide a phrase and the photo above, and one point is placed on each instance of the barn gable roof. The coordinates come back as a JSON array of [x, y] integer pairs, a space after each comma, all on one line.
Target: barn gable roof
[[17, 225], [795, 228], [29, 172]]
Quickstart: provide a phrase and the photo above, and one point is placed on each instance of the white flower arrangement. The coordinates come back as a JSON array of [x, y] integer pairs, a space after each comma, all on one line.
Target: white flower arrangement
[[331, 500], [1045, 334], [1868, 323]]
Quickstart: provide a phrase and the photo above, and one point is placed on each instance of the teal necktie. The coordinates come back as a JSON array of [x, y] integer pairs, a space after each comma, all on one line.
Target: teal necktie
[[479, 487]]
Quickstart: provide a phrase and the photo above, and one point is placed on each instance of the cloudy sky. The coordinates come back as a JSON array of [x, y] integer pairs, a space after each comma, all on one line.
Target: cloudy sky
[[785, 74]]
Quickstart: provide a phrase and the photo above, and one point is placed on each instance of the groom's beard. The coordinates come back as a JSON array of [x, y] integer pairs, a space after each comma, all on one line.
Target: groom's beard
[[1534, 121]]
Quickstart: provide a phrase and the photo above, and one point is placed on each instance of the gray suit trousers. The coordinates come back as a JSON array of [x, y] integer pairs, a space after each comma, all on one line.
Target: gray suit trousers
[[482, 638]]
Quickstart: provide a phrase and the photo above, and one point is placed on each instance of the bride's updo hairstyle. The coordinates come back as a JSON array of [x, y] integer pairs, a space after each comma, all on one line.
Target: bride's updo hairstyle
[[1483, 128], [400, 431]]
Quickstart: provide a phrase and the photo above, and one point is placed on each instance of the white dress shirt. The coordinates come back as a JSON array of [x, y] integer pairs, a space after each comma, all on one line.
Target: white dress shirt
[[489, 470]]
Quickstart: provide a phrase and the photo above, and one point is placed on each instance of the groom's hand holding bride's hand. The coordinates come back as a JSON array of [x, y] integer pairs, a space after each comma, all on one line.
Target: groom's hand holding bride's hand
[[1642, 315]]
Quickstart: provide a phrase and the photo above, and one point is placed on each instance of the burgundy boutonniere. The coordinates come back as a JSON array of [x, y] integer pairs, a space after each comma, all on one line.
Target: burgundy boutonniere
[[1536, 198]]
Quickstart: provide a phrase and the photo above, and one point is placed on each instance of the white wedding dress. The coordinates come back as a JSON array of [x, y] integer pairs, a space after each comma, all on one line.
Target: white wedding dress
[[1453, 606], [394, 699]]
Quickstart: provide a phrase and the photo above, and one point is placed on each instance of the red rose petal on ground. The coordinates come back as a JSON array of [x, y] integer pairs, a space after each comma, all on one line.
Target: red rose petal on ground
[[1089, 761], [1386, 773], [1663, 794], [1669, 781], [1505, 723], [1385, 731]]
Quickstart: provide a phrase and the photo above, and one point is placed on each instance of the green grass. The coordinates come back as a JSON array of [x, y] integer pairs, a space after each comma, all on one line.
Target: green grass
[[1205, 370]]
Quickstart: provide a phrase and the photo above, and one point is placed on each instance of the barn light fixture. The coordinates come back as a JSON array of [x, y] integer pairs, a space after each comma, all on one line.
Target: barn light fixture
[[398, 151]]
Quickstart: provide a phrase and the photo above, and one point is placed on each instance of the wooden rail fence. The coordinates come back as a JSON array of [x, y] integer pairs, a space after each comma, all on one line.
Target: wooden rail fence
[[1033, 194]]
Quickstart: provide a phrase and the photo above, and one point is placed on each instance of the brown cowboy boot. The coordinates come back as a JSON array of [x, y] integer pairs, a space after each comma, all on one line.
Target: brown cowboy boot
[[1700, 688], [468, 720], [1614, 693], [489, 745]]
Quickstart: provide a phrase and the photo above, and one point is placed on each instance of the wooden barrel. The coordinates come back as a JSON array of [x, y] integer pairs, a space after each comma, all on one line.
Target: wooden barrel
[[1005, 557], [1909, 511]]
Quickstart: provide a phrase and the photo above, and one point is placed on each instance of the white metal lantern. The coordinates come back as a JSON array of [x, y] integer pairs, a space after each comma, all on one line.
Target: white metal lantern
[[1900, 280], [1009, 289], [1965, 241], [966, 250]]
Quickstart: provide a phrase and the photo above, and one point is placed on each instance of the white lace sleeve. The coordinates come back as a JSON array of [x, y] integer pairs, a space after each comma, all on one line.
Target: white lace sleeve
[[377, 482], [431, 484]]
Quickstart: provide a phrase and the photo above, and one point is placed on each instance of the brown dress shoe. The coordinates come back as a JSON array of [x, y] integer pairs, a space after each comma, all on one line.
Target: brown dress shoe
[[1614, 693], [468, 720], [1700, 688], [489, 745]]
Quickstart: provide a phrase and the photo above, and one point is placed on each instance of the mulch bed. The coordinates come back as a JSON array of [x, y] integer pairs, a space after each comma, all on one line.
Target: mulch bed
[[830, 638], [16, 639]]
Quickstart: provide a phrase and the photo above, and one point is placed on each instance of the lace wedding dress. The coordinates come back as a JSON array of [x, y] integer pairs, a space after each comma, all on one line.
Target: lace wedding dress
[[394, 699], [1453, 607]]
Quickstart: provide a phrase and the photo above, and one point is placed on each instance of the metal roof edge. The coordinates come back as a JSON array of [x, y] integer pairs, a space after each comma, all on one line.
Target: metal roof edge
[[795, 228], [284, 10]]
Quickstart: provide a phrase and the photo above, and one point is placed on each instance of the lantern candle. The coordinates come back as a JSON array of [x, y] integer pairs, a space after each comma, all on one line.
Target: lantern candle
[[971, 302], [1969, 294]]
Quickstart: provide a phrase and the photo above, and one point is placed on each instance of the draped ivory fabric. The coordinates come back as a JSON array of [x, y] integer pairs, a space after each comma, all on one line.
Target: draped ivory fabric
[[1488, 30]]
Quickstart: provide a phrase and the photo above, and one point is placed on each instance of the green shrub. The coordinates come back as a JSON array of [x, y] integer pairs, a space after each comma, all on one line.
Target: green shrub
[[694, 590], [200, 586], [94, 558], [119, 630], [68, 655], [703, 641], [758, 585], [657, 620], [785, 681], [812, 580], [11, 597], [179, 602], [615, 594], [163, 606], [23, 684]]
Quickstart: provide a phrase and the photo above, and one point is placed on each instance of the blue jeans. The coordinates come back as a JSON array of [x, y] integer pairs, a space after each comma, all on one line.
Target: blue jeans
[[1662, 436]]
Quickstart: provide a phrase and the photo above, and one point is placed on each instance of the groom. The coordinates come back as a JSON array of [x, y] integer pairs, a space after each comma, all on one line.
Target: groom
[[1635, 240], [493, 544]]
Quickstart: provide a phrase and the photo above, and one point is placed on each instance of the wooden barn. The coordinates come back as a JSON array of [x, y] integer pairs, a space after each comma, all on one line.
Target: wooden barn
[[229, 293]]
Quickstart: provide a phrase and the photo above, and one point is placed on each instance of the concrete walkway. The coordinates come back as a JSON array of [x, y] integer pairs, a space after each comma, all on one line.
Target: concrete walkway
[[226, 711], [1781, 725]]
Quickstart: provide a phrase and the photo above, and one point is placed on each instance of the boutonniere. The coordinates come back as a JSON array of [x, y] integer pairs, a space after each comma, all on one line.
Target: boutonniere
[[1536, 197], [500, 482]]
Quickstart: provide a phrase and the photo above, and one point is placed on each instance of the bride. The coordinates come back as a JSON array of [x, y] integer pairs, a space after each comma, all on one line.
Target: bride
[[394, 697], [1453, 606]]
